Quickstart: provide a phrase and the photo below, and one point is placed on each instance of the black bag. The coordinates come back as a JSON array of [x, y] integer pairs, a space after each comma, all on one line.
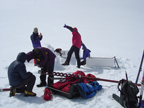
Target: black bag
[[128, 93]]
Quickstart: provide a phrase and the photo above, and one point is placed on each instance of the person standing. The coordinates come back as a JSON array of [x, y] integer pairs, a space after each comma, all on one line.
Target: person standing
[[86, 53], [45, 59], [36, 38], [20, 80], [76, 45]]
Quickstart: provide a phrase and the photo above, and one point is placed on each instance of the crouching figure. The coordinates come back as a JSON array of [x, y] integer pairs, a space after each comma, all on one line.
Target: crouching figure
[[20, 80]]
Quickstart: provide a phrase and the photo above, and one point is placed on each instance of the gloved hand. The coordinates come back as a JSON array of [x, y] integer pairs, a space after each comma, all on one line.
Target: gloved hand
[[65, 26]]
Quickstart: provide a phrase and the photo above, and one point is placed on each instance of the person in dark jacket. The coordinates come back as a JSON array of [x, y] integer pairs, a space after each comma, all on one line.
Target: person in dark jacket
[[76, 44], [45, 59], [19, 79], [86, 53], [36, 38]]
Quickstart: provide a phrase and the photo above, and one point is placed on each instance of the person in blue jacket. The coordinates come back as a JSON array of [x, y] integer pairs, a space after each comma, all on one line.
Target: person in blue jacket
[[36, 38], [86, 53], [20, 80]]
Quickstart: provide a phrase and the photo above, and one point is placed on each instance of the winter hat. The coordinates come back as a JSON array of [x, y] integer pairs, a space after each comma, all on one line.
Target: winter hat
[[35, 30], [38, 54]]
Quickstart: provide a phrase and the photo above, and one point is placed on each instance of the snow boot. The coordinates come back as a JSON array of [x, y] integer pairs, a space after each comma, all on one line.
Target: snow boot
[[78, 66], [66, 63], [43, 81], [41, 84], [12, 91], [26, 93]]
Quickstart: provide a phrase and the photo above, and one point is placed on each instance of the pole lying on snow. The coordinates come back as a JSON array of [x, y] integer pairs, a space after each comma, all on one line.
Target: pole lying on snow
[[96, 79], [79, 76], [4, 89]]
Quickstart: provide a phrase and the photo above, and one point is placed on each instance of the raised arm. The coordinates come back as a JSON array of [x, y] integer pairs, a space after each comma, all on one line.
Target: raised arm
[[68, 27]]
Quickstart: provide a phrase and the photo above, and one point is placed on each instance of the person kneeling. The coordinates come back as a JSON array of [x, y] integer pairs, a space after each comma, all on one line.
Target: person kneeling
[[20, 80]]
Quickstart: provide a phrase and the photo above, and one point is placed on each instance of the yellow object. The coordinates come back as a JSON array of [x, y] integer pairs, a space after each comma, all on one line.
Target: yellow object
[[31, 93], [38, 59]]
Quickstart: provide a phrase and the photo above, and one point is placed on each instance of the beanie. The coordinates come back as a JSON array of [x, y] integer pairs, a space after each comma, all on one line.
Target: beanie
[[35, 30]]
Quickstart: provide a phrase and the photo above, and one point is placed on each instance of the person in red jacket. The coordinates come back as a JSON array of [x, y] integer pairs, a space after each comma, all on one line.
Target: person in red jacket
[[76, 44]]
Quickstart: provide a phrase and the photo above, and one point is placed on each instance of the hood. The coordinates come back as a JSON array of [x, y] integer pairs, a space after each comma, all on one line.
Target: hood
[[22, 57], [75, 28]]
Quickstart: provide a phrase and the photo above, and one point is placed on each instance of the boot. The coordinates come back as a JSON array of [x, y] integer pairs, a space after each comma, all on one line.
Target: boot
[[50, 81], [26, 93], [66, 63], [12, 91], [43, 81], [41, 84], [78, 66]]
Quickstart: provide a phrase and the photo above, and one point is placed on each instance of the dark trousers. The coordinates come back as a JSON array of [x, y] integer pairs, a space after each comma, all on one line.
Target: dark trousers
[[26, 84], [76, 50], [50, 72]]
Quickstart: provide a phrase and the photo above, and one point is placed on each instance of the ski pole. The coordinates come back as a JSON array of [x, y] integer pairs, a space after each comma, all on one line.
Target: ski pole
[[140, 68], [116, 61], [141, 93]]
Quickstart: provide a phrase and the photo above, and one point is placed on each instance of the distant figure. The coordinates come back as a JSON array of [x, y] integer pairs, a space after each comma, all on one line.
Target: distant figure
[[76, 44], [86, 53], [36, 38], [58, 50], [20, 80], [45, 59]]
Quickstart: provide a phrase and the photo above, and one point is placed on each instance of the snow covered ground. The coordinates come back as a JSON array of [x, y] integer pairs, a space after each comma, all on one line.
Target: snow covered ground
[[108, 28]]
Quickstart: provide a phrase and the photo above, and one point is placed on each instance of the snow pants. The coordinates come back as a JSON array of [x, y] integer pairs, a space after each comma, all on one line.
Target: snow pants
[[26, 84], [76, 50]]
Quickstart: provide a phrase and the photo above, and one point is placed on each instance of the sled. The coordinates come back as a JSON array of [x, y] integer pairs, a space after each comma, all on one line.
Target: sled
[[71, 94], [101, 62]]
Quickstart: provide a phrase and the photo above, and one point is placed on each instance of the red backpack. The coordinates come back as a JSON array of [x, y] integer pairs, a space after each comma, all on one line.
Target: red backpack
[[47, 94]]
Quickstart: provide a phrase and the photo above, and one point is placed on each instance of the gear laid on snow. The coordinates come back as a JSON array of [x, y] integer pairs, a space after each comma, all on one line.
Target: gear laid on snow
[[47, 94], [88, 90], [75, 85], [128, 94]]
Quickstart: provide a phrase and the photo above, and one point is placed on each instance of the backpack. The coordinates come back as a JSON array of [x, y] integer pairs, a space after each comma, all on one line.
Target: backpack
[[128, 93], [88, 90], [47, 94]]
